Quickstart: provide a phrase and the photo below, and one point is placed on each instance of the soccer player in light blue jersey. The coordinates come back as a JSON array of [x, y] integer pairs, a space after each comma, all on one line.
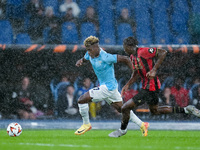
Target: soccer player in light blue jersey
[[103, 65]]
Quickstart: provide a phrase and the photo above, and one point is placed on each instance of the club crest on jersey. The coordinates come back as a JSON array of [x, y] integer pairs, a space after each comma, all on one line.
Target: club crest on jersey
[[151, 50]]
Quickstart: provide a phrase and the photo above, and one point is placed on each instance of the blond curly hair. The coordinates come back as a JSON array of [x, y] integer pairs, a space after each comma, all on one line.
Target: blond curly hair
[[90, 41]]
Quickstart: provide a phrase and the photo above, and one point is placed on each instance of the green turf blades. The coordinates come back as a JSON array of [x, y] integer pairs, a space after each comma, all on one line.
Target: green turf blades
[[98, 140]]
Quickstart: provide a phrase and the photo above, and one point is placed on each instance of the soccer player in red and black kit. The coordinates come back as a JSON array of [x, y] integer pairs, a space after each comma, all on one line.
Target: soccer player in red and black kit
[[146, 62]]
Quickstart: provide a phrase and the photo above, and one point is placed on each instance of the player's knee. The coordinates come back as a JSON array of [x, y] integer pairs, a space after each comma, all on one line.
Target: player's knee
[[154, 111], [119, 110], [125, 109], [85, 98], [80, 100], [128, 106]]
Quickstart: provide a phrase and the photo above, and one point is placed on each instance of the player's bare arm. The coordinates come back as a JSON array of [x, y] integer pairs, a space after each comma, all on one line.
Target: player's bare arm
[[161, 56], [126, 60], [81, 62], [133, 78]]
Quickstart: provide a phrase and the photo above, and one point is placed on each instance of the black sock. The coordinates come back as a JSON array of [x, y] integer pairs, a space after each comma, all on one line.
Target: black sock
[[178, 109], [123, 125]]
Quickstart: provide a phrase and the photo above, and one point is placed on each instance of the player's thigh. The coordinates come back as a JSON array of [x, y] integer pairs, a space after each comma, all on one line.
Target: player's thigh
[[117, 106], [99, 93], [130, 104], [85, 98]]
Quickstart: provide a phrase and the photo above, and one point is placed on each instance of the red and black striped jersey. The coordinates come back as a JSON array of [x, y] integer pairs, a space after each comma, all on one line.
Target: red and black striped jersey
[[143, 62]]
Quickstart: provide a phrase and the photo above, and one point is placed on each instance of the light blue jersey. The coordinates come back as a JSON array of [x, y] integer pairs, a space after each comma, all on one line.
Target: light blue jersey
[[103, 66]]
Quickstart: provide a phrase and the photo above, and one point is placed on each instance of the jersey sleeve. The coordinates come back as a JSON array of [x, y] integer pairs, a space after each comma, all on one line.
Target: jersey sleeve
[[86, 56], [109, 58], [148, 52]]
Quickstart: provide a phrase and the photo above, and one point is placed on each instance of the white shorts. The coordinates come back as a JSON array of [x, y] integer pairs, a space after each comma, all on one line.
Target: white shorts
[[102, 93]]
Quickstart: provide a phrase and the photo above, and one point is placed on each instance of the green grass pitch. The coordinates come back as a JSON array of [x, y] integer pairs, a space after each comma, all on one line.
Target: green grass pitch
[[99, 140]]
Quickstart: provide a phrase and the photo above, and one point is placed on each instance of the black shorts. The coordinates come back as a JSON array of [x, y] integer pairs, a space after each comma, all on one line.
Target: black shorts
[[150, 97]]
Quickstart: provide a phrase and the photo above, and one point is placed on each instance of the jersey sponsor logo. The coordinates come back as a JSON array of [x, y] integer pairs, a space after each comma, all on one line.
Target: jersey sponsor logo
[[151, 50]]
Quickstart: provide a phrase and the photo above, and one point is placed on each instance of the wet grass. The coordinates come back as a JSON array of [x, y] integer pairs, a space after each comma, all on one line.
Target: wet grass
[[99, 140]]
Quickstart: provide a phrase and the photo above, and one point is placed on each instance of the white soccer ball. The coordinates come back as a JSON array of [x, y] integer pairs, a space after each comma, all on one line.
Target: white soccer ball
[[14, 129]]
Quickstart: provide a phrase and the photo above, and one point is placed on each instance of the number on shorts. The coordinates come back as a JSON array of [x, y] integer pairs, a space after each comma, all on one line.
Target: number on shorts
[[96, 88]]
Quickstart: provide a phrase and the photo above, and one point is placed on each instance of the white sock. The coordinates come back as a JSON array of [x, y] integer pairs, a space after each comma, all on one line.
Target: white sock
[[135, 119], [187, 112], [123, 131], [84, 111]]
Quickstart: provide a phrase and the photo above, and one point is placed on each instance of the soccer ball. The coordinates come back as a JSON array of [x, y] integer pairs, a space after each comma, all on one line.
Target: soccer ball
[[14, 129]]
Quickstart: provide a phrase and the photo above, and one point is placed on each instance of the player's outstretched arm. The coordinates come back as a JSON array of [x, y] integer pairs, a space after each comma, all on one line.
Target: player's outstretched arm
[[126, 60], [161, 56], [80, 62], [133, 78]]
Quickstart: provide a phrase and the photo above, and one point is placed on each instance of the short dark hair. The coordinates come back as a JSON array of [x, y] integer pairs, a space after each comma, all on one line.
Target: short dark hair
[[130, 41]]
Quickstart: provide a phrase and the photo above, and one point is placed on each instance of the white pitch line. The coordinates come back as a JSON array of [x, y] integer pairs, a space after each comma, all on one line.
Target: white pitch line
[[52, 145], [193, 148], [105, 146]]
